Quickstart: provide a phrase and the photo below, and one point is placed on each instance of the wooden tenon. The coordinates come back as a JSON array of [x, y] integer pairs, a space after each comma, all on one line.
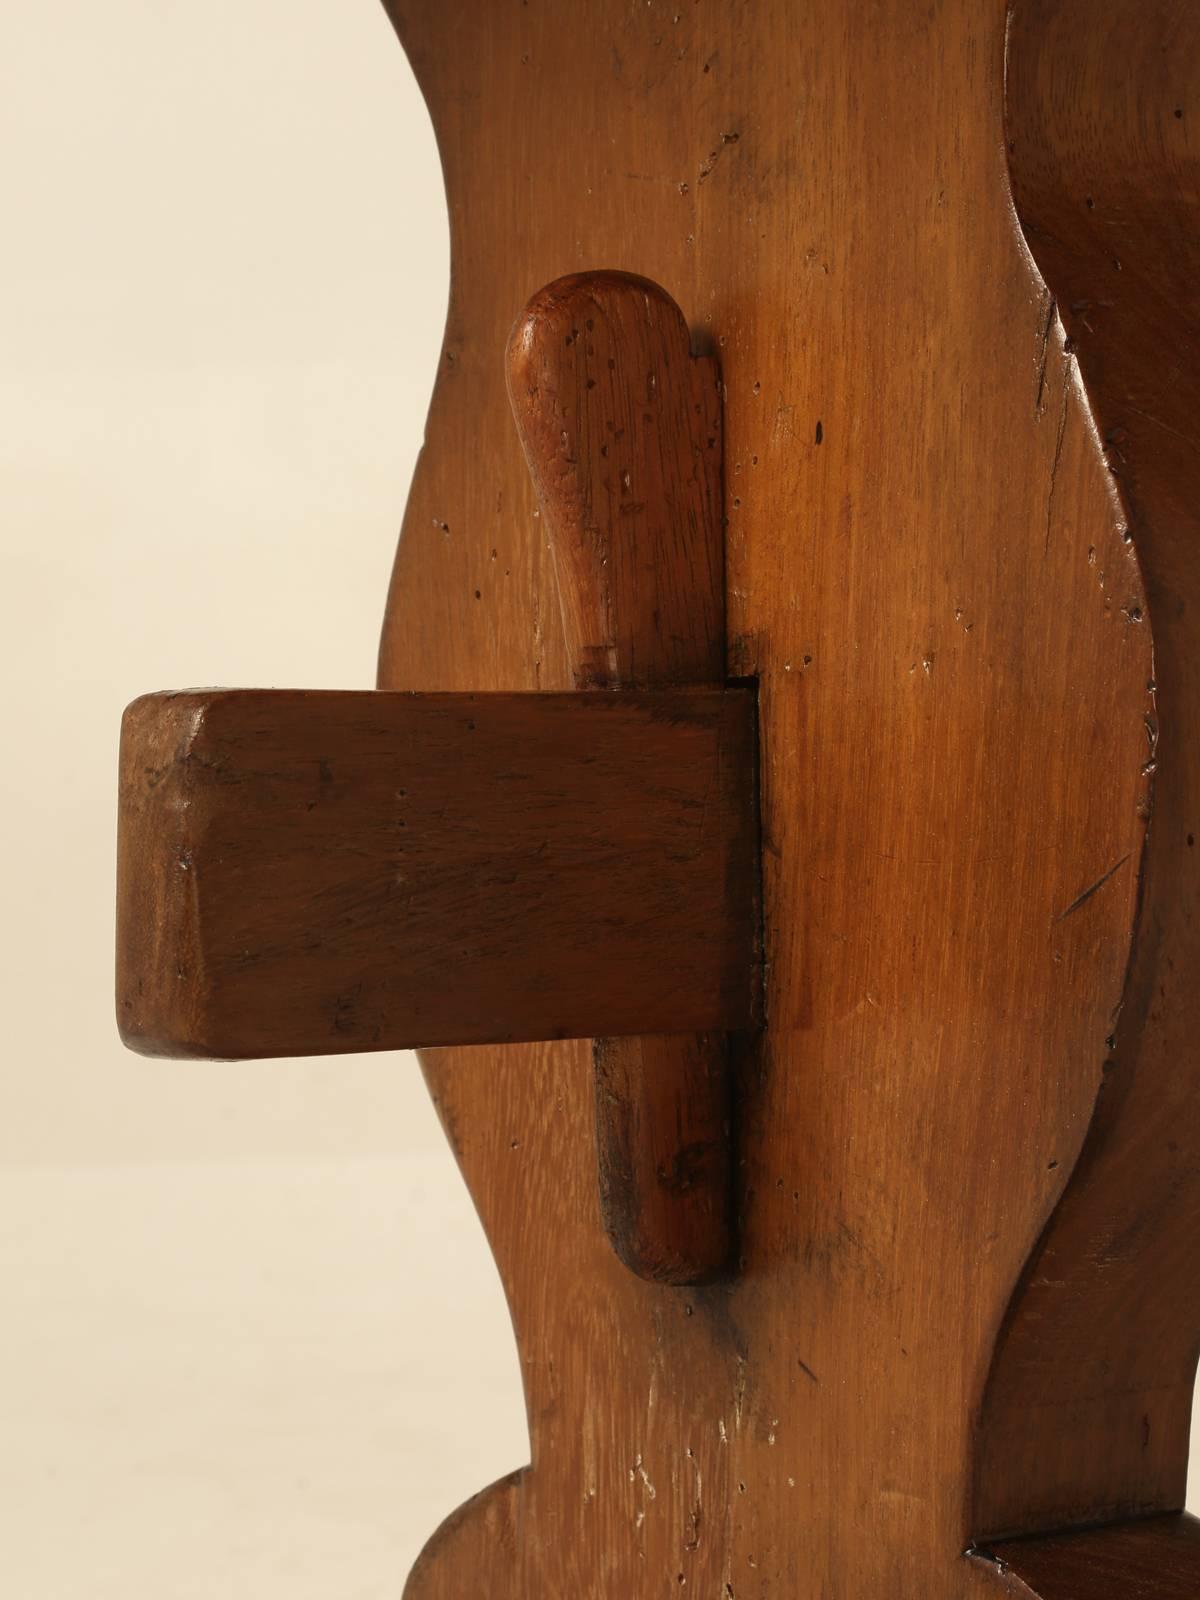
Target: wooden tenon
[[306, 873]]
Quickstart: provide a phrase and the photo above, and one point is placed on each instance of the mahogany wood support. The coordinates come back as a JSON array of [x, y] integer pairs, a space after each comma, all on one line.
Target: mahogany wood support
[[621, 427], [305, 872], [961, 542]]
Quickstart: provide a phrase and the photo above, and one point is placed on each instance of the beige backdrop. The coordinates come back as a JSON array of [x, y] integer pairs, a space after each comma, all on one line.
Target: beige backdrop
[[252, 1344]]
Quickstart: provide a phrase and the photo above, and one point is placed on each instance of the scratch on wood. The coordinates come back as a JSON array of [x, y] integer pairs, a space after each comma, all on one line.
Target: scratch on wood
[[1044, 337], [1089, 892], [1058, 449]]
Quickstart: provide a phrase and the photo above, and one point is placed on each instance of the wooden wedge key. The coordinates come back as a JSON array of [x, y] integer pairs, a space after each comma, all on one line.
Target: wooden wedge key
[[622, 430]]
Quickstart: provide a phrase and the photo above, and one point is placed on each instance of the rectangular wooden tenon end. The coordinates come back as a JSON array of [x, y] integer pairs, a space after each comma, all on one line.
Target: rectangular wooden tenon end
[[310, 872]]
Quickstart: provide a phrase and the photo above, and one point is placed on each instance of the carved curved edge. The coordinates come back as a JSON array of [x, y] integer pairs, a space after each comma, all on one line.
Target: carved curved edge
[[1087, 1409], [491, 1514]]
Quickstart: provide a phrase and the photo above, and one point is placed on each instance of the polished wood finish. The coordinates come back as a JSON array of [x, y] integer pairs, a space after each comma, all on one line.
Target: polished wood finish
[[664, 1146], [1153, 1558], [927, 569], [1088, 1403], [305, 872], [621, 428]]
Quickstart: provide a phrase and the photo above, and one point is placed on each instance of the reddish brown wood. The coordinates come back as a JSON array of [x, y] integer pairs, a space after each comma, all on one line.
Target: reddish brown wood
[[1154, 1558], [1088, 1404], [621, 427], [664, 1121], [952, 731], [937, 448], [303, 872]]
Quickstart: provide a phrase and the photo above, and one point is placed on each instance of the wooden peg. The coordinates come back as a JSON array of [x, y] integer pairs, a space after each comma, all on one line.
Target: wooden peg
[[621, 427], [304, 873]]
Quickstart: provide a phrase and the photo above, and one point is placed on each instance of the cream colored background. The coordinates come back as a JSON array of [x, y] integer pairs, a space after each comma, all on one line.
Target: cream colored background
[[251, 1344]]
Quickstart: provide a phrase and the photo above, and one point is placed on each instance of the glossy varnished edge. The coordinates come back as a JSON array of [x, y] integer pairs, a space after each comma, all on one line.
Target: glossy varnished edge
[[1085, 1417]]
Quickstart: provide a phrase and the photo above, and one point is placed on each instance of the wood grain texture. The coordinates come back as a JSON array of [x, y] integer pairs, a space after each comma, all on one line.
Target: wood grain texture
[[304, 872], [1089, 1400], [927, 571], [621, 428], [1153, 1558], [664, 1147]]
